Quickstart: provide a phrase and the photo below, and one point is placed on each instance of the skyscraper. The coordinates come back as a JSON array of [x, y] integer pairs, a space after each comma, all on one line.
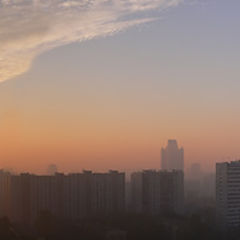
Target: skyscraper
[[172, 157], [228, 194]]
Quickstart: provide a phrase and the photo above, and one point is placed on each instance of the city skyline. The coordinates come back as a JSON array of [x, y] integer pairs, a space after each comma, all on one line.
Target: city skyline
[[170, 158], [163, 70], [119, 120]]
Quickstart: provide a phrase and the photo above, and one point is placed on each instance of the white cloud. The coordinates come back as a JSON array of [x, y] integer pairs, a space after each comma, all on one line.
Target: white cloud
[[30, 27]]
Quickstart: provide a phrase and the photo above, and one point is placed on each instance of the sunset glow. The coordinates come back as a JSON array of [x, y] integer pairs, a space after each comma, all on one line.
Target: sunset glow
[[104, 84]]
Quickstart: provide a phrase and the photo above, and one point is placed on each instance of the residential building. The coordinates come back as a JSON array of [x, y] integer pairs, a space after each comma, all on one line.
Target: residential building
[[72, 196], [228, 194], [158, 192]]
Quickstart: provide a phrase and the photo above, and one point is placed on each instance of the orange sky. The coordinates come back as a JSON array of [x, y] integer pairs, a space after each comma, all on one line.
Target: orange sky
[[114, 101], [113, 140]]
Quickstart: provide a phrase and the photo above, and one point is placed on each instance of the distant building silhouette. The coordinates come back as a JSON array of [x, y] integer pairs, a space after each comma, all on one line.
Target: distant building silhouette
[[157, 192], [209, 185], [195, 171], [193, 182], [73, 196], [5, 188], [52, 169], [228, 194], [172, 157], [199, 185]]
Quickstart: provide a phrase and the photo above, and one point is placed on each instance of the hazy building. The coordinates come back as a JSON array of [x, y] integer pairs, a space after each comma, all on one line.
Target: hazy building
[[90, 194], [31, 194], [158, 192], [193, 182], [172, 157], [228, 194], [78, 195], [5, 193], [108, 193], [195, 171], [73, 196], [52, 169], [209, 185], [199, 185]]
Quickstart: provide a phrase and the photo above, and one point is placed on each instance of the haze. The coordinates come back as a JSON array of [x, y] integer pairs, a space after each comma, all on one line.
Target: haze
[[108, 92]]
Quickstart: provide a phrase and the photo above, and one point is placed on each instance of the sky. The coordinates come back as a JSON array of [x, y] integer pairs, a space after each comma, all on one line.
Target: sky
[[104, 84]]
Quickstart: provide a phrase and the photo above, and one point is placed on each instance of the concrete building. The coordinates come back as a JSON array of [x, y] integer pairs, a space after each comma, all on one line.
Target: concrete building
[[88, 194], [158, 192], [31, 194], [5, 188], [108, 193], [172, 157], [209, 185], [193, 183], [73, 196], [228, 194], [77, 195]]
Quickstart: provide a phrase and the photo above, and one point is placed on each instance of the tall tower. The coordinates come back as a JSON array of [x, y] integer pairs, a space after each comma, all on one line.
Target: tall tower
[[172, 157]]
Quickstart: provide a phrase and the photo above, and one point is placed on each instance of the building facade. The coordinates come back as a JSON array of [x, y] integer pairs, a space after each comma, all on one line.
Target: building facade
[[158, 192], [228, 194], [5, 187], [73, 196]]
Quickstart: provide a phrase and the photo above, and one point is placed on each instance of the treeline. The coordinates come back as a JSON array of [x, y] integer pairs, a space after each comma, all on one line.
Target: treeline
[[127, 227]]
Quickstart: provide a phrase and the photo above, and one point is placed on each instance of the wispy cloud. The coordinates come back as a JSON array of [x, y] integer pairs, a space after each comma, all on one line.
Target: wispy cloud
[[30, 27]]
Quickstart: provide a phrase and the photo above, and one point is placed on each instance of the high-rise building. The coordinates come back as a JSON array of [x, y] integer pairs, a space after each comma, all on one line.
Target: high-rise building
[[72, 196], [172, 157], [209, 185], [108, 193], [5, 188], [158, 192], [91, 193], [228, 194], [30, 194], [193, 182]]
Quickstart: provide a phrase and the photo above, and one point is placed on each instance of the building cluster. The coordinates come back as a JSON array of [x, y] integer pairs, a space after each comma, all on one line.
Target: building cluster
[[160, 192], [151, 192], [75, 196]]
